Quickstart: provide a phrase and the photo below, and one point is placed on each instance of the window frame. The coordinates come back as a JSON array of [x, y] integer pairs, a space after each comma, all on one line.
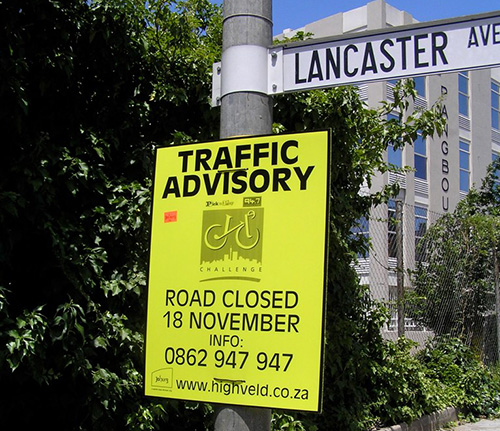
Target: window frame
[[496, 156], [391, 229], [462, 170], [421, 155], [463, 93], [391, 152], [421, 214], [495, 110], [420, 86], [362, 228]]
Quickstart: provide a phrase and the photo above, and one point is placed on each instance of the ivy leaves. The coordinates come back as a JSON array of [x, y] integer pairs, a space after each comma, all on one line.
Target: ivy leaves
[[79, 122]]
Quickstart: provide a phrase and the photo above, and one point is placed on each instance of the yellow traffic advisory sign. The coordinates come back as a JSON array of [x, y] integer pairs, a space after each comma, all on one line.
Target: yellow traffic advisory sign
[[237, 274]]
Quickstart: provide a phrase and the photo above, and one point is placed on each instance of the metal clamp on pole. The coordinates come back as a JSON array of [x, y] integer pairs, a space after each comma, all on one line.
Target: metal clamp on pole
[[248, 68], [244, 68]]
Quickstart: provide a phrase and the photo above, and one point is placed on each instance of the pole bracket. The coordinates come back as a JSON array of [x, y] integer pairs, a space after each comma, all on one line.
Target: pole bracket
[[248, 68]]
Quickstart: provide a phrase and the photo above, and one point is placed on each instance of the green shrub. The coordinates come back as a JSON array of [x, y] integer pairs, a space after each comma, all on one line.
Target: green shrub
[[402, 387], [470, 385], [404, 390]]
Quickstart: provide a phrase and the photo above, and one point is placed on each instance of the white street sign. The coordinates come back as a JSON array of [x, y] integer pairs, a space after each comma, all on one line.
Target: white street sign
[[465, 43]]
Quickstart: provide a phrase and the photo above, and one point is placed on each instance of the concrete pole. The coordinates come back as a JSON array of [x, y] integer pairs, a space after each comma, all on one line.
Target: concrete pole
[[247, 30], [247, 25]]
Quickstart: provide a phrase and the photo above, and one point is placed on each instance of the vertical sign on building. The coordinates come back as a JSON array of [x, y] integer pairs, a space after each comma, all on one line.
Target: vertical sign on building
[[445, 166], [237, 274]]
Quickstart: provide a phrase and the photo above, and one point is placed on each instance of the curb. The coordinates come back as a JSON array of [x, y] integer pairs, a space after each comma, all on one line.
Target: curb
[[432, 422]]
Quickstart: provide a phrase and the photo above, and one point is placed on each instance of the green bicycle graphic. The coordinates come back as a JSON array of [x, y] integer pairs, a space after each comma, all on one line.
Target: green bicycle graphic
[[216, 235]]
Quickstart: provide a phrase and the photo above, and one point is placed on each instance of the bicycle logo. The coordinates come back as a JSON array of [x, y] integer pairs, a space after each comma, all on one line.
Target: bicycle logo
[[245, 236]]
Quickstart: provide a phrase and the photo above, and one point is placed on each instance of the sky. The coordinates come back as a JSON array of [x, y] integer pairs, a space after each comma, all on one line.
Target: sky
[[296, 13]]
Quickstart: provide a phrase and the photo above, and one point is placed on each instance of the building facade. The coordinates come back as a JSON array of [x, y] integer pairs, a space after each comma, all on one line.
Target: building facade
[[444, 168]]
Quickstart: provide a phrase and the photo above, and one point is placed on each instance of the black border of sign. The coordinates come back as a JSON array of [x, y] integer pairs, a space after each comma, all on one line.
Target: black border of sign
[[325, 267]]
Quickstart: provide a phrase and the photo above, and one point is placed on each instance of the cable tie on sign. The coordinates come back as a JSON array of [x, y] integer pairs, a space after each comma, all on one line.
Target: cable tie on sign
[[232, 170], [238, 382]]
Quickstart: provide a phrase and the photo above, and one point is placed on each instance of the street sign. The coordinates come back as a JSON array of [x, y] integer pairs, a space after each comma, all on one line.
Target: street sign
[[465, 43], [421, 49], [237, 277]]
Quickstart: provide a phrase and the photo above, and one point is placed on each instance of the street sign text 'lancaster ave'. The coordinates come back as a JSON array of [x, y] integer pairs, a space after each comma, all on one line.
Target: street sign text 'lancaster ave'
[[465, 43]]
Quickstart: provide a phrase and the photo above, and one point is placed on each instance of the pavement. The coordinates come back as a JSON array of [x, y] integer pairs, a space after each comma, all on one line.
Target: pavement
[[442, 420], [482, 425]]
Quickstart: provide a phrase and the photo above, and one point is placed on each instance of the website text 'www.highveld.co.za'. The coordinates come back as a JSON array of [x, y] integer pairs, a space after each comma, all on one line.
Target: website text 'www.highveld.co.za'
[[239, 387]]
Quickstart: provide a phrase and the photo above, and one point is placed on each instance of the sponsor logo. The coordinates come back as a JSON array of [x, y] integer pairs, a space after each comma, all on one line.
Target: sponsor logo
[[232, 235], [162, 379]]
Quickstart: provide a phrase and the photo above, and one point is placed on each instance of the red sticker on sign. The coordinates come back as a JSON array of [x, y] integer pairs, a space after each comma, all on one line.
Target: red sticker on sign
[[170, 217]]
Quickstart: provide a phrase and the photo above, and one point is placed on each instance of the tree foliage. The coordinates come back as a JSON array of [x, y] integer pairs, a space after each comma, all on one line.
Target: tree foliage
[[86, 94], [355, 351], [463, 380], [455, 279]]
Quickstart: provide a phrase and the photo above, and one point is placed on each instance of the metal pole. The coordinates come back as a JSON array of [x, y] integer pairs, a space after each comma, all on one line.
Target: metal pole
[[247, 29], [400, 268]]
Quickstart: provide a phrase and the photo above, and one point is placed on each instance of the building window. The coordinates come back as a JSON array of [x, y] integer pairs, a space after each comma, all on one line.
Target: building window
[[464, 166], [361, 232], [494, 158], [394, 156], [463, 93], [420, 85], [495, 105], [420, 157], [391, 228], [420, 229]]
